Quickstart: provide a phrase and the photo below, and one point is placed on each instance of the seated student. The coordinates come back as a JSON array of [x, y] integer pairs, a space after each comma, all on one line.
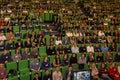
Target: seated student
[[10, 45], [69, 74], [108, 57], [5, 57], [73, 59], [26, 54], [47, 75], [2, 47], [43, 41], [26, 35], [113, 72], [76, 33], [35, 42], [65, 60], [113, 47], [102, 39], [58, 41], [90, 58], [117, 57], [28, 43], [95, 39], [83, 48], [2, 36], [35, 65], [10, 36], [97, 47], [109, 39], [99, 57], [60, 49], [94, 72], [17, 55], [19, 44], [90, 48], [66, 40], [51, 41], [67, 49], [46, 63], [88, 39], [3, 73], [40, 34], [104, 72], [51, 50], [75, 48], [82, 60], [80, 40], [57, 75], [104, 48], [34, 52], [56, 61], [37, 77]]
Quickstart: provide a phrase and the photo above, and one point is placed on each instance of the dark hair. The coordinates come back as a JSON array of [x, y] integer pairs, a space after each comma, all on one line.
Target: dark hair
[[35, 73]]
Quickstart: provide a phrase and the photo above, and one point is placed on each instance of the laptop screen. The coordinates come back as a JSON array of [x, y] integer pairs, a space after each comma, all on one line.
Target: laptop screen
[[82, 75]]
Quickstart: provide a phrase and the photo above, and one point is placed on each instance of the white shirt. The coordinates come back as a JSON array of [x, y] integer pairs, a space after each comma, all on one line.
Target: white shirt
[[90, 49], [2, 38], [76, 35], [75, 49], [57, 42], [69, 34]]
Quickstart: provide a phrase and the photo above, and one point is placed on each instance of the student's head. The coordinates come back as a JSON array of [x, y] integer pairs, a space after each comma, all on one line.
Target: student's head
[[70, 68], [73, 55], [26, 49], [83, 55], [5, 51], [102, 65], [45, 58], [65, 56], [36, 75], [1, 65], [46, 71], [93, 65]]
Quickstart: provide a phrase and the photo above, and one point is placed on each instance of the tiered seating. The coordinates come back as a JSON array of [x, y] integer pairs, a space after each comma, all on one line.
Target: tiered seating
[[55, 19]]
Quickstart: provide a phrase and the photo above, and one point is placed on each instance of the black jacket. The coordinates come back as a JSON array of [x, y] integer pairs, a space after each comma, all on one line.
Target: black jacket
[[71, 75]]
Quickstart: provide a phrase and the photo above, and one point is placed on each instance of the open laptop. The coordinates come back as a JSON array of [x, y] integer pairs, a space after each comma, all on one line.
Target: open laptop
[[82, 75]]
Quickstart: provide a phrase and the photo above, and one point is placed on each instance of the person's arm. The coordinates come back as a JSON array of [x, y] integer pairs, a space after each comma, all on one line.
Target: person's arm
[[53, 76], [31, 67], [61, 76], [88, 49]]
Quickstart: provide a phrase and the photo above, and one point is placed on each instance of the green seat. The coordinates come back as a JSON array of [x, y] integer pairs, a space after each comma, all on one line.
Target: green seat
[[42, 16], [11, 65], [12, 52], [25, 77], [13, 78], [23, 67], [42, 51], [64, 69], [47, 37], [75, 67], [52, 57], [43, 73], [47, 15]]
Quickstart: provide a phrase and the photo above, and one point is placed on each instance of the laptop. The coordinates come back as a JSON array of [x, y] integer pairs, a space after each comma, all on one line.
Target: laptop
[[82, 75]]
